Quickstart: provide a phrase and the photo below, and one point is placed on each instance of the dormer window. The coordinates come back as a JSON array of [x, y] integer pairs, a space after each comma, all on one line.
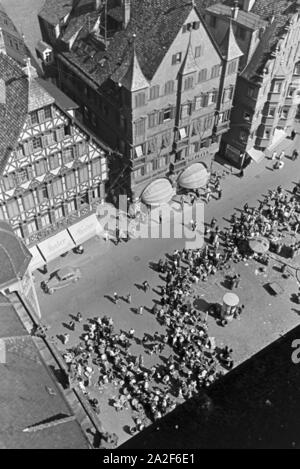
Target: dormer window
[[176, 58]]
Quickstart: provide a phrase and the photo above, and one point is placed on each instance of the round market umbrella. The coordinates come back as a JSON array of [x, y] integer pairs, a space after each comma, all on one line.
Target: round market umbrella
[[259, 245], [231, 299]]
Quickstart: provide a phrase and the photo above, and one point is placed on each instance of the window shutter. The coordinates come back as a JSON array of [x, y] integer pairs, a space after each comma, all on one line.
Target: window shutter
[[30, 146], [26, 148], [161, 117], [41, 115], [44, 140], [173, 112]]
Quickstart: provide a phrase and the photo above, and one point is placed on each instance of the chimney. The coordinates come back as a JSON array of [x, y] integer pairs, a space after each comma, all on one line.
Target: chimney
[[126, 7], [2, 43], [29, 70], [2, 91], [235, 10]]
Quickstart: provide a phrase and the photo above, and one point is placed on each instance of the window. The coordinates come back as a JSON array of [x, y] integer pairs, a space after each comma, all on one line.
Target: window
[[40, 167], [196, 24], [54, 161], [232, 67], [140, 127], [202, 76], [67, 155], [83, 174], [58, 212], [22, 176], [37, 143], [96, 167], [48, 113], [169, 87], [291, 91], [208, 122], [9, 181], [272, 111], [213, 21], [60, 134], [138, 151], [45, 220], [28, 201], [188, 83], [215, 71], [34, 118], [19, 153], [230, 93], [214, 96], [48, 139], [12, 208], [198, 51], [31, 227], [152, 120], [70, 180], [284, 113], [241, 33], [183, 133], [185, 110], [167, 113], [140, 99], [154, 92], [267, 134], [57, 187], [277, 86], [82, 148], [243, 136], [42, 193], [198, 103], [297, 69], [71, 206], [205, 99], [176, 58]]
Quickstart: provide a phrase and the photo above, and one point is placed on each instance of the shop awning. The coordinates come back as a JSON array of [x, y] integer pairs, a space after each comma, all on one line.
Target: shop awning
[[256, 155], [194, 177], [158, 192], [85, 229], [58, 244], [37, 260]]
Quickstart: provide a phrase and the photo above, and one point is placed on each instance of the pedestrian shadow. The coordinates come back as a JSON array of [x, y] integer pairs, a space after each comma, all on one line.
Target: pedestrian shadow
[[134, 310], [200, 304], [297, 311], [60, 337], [157, 292], [74, 318], [149, 310], [67, 326], [110, 298], [139, 287], [154, 266], [269, 168]]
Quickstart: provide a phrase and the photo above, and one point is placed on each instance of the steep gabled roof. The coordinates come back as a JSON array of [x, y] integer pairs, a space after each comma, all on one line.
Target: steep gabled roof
[[38, 97], [229, 46], [14, 112], [134, 78], [54, 10], [155, 25]]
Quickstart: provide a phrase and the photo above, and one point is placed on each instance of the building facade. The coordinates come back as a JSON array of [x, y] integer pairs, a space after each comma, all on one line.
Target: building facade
[[149, 79], [53, 171], [268, 86]]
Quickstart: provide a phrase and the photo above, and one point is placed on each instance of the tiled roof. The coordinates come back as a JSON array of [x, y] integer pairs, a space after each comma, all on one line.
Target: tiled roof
[[155, 25], [30, 395], [134, 79], [38, 97], [244, 18], [61, 99], [54, 10], [14, 256], [13, 113]]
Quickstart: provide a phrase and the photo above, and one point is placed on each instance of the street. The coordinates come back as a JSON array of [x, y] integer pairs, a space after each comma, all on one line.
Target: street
[[107, 269]]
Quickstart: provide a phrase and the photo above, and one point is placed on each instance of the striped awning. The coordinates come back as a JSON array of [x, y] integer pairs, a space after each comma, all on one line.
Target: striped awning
[[158, 192], [194, 177]]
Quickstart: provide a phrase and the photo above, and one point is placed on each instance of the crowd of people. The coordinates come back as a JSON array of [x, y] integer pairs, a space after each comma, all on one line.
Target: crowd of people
[[103, 356]]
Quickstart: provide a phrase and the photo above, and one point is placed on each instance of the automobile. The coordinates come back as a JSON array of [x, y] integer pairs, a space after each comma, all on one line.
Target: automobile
[[62, 278]]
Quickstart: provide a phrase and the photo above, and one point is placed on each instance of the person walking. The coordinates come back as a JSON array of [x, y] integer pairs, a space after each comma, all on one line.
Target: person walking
[[128, 298], [66, 338], [79, 317], [141, 310], [72, 325], [293, 134], [219, 194], [116, 297], [146, 286], [294, 155]]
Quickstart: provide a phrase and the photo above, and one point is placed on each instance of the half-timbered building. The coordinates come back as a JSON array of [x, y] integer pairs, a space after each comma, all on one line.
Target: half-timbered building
[[52, 170]]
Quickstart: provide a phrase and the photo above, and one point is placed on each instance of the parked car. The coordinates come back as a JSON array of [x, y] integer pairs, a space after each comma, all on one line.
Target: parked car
[[62, 278]]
